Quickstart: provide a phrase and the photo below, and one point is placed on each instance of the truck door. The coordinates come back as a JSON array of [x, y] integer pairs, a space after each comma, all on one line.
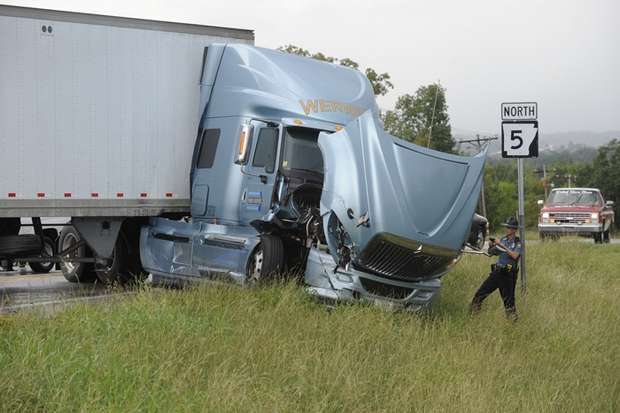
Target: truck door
[[202, 171], [259, 173]]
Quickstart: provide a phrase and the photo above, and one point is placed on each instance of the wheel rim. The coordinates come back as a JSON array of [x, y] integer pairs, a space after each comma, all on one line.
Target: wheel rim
[[256, 266], [48, 251], [70, 240]]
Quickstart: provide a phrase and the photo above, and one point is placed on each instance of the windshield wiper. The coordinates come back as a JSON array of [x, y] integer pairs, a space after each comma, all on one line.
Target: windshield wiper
[[575, 201]]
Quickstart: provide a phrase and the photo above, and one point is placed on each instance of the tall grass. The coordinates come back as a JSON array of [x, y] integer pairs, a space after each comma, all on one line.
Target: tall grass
[[274, 349]]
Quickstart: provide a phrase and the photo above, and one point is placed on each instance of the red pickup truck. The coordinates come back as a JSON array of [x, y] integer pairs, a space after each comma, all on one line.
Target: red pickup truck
[[581, 211]]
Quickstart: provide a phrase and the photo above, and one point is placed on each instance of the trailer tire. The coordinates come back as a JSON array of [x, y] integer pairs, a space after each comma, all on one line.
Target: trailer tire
[[266, 261], [10, 226], [49, 249], [12, 246], [80, 272]]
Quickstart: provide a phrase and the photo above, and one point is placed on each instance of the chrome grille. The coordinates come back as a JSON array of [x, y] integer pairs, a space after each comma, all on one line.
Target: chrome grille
[[391, 260], [385, 290], [576, 217]]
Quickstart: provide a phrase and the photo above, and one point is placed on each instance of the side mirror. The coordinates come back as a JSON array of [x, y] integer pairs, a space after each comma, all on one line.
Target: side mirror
[[609, 203], [245, 137], [540, 202]]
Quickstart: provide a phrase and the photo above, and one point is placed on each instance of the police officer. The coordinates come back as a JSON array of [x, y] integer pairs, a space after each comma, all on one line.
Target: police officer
[[503, 274]]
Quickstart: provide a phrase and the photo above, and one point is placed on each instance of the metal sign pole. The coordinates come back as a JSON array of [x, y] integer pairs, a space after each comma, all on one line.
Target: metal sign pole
[[521, 223]]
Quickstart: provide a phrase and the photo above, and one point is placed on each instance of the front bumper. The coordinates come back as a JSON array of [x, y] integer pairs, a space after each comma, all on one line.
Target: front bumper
[[351, 285], [569, 228]]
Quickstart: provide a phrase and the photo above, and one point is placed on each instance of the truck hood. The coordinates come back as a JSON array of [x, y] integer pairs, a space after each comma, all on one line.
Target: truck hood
[[570, 208], [383, 188]]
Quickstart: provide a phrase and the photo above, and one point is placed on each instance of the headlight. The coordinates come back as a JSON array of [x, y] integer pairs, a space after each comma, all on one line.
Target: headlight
[[595, 217], [545, 217]]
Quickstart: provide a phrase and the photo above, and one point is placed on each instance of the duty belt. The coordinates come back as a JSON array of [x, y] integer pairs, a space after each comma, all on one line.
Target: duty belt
[[507, 267]]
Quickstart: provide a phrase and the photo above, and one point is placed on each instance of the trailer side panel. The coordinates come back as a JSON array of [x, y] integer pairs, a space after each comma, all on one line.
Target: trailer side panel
[[97, 120]]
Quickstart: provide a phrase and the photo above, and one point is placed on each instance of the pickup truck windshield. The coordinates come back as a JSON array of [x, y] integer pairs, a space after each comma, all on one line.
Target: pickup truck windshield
[[573, 197], [301, 150]]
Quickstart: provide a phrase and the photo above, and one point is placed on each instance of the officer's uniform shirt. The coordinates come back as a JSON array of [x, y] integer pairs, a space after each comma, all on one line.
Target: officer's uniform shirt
[[513, 244]]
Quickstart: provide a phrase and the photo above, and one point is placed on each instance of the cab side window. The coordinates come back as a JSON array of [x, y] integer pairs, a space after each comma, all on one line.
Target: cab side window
[[208, 146], [266, 149]]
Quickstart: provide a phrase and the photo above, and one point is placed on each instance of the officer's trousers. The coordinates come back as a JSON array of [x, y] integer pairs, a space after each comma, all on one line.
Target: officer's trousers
[[503, 279]]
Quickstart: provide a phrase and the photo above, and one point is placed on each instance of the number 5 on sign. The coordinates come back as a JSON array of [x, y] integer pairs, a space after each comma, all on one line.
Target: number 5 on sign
[[520, 139]]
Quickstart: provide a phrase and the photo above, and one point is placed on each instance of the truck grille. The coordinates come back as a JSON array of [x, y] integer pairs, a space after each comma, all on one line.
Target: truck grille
[[385, 290], [570, 217], [391, 260]]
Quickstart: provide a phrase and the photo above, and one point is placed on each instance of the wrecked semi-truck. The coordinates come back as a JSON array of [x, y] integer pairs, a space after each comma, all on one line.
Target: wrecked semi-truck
[[290, 170]]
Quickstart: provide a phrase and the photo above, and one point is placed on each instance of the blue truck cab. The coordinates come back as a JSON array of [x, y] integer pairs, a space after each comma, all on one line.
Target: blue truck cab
[[293, 172]]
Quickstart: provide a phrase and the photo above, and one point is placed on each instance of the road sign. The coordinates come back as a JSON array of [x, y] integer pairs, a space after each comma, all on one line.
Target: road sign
[[520, 139], [520, 111]]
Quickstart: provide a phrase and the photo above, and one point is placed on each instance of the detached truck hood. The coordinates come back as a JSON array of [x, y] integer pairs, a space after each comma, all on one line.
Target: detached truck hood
[[407, 209]]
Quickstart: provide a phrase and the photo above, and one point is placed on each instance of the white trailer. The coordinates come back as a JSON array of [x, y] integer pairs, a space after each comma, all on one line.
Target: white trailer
[[98, 114], [98, 120]]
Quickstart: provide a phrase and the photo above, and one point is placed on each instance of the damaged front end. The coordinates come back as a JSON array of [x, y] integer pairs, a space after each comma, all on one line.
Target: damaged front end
[[395, 216]]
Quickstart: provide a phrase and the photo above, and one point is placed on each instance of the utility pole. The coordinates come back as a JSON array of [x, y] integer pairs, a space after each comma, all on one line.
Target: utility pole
[[478, 143], [544, 179], [430, 130]]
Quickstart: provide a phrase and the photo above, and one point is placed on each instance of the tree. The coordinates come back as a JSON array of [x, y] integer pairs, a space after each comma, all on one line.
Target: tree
[[381, 84], [606, 173], [422, 118]]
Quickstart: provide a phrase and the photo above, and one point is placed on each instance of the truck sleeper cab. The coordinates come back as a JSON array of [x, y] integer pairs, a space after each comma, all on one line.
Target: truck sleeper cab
[[292, 171]]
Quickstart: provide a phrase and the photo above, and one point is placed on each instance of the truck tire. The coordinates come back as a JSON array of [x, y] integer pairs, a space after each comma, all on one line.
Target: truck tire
[[266, 261], [598, 237], [75, 272], [115, 272], [48, 250], [607, 236], [15, 246]]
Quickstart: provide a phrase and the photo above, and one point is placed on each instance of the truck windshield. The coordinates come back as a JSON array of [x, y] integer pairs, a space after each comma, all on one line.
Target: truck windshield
[[301, 150], [573, 197]]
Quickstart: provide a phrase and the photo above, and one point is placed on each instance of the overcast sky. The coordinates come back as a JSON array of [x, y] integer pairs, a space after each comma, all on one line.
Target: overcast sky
[[565, 54]]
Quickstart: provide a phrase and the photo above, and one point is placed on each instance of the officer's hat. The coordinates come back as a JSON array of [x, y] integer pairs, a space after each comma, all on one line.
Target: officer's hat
[[511, 223]]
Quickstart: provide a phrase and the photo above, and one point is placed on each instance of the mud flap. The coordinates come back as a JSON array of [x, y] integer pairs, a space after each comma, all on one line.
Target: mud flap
[[99, 233]]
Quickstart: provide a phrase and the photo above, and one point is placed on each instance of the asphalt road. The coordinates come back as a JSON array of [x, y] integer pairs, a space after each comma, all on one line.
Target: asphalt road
[[26, 291]]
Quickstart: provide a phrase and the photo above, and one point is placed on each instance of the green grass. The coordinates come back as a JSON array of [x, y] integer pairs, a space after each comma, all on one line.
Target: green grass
[[274, 349]]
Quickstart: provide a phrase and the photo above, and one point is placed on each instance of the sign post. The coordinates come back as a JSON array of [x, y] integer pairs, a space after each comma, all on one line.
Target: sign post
[[520, 140]]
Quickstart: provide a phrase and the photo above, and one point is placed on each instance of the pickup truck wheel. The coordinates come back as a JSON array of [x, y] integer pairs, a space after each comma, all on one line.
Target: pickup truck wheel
[[48, 250], [75, 272], [607, 236], [598, 237], [266, 261]]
